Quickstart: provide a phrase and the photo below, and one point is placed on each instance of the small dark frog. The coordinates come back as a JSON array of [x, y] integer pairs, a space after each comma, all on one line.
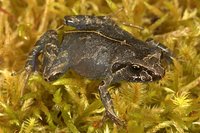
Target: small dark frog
[[99, 49]]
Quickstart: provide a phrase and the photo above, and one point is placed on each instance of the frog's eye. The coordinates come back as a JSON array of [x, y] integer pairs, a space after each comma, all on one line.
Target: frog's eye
[[136, 68]]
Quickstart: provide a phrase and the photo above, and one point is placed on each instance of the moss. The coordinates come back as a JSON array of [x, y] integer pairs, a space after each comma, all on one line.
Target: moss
[[72, 103]]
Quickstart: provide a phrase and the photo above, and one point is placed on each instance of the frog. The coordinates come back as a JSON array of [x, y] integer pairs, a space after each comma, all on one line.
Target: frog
[[98, 49]]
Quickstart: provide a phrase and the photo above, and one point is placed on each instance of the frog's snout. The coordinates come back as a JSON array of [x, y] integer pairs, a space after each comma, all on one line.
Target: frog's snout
[[159, 72]]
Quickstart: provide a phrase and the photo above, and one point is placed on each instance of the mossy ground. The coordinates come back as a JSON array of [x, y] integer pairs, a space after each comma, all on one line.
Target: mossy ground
[[72, 104]]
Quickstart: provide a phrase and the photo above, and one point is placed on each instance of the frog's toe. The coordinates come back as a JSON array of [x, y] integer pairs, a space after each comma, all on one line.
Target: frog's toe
[[115, 119]]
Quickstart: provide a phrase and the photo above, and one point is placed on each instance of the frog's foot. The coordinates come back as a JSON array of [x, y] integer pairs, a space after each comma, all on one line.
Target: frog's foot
[[115, 119], [107, 102], [112, 117]]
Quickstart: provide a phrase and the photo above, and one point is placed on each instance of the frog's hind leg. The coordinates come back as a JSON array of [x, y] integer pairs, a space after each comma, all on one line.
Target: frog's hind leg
[[50, 37], [32, 61], [58, 67], [85, 22], [49, 55], [107, 102]]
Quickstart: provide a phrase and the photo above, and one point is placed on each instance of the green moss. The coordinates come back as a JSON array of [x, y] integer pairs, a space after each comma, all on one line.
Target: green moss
[[72, 103]]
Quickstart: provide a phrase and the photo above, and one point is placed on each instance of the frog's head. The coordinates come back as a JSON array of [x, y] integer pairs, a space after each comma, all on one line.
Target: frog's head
[[141, 70]]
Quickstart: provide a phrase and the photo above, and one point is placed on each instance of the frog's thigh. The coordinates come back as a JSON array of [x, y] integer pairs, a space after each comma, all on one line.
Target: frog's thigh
[[49, 55], [49, 37], [61, 64]]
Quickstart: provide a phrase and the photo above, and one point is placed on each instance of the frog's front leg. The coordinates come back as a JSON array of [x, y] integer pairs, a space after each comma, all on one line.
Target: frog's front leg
[[107, 101], [166, 53]]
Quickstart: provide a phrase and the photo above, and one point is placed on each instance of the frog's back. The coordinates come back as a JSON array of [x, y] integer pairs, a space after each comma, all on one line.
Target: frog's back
[[89, 54]]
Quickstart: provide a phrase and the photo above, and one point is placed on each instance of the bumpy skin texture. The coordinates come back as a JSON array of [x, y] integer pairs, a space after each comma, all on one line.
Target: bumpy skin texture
[[99, 49]]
